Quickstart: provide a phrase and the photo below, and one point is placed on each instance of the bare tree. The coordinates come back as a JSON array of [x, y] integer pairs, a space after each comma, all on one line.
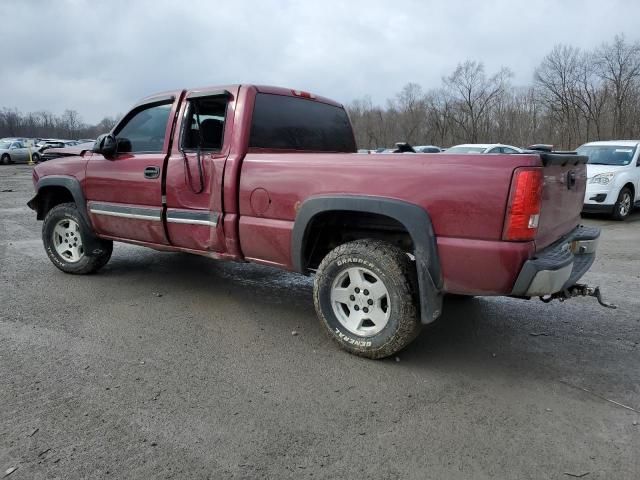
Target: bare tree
[[474, 94], [557, 80], [410, 105], [591, 96], [619, 66]]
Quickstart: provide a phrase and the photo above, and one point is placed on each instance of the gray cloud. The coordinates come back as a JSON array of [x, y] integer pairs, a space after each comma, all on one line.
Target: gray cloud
[[100, 57]]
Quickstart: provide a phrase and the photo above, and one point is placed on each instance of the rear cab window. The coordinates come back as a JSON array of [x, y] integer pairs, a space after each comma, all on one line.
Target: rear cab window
[[293, 123]]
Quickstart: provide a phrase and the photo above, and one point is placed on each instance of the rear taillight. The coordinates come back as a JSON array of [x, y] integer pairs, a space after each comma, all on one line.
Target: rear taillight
[[523, 210]]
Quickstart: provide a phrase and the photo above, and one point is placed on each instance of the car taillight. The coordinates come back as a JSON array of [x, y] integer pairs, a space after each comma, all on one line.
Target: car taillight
[[523, 210]]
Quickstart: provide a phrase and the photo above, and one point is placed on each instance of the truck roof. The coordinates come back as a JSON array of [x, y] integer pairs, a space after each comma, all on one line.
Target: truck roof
[[291, 92]]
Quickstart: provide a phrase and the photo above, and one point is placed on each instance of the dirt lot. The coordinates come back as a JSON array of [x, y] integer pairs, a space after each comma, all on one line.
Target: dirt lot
[[173, 366]]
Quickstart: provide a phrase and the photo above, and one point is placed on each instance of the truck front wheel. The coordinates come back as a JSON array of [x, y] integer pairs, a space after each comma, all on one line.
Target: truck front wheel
[[365, 296], [64, 237]]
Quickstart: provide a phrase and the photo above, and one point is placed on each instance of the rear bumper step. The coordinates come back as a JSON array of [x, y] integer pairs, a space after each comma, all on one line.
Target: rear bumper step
[[559, 266]]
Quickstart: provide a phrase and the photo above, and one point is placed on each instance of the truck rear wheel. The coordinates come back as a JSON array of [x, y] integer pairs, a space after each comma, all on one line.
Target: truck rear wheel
[[365, 296], [64, 235]]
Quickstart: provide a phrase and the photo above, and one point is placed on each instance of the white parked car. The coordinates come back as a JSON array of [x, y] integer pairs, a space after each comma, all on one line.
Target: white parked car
[[483, 148], [613, 177], [427, 149], [15, 151]]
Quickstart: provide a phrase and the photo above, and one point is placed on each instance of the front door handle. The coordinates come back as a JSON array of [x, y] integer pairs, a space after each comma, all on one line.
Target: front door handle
[[151, 172]]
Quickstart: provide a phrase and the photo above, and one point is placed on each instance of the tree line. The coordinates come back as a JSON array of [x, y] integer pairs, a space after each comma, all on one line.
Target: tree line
[[45, 124], [575, 96]]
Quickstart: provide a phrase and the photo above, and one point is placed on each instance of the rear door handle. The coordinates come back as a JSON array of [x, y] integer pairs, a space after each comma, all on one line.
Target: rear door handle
[[151, 172]]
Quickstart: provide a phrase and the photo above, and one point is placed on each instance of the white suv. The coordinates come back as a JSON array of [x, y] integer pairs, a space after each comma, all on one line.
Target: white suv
[[613, 177]]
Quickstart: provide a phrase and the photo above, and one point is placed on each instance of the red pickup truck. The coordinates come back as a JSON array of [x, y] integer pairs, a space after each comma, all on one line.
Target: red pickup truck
[[271, 175]]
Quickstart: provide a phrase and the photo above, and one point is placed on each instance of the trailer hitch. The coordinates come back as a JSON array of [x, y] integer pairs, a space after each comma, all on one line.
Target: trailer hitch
[[578, 290]]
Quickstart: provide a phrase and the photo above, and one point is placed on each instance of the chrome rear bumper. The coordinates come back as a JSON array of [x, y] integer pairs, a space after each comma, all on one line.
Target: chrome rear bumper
[[559, 266]]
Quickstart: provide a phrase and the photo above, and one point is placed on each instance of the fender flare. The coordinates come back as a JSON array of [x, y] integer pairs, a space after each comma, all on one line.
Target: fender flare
[[415, 220], [71, 184]]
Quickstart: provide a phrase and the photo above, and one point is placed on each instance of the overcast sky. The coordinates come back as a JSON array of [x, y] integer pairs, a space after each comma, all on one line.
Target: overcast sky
[[100, 57]]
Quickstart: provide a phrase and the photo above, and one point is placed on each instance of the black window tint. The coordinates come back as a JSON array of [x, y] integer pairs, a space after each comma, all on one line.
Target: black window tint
[[146, 129], [294, 123], [204, 123]]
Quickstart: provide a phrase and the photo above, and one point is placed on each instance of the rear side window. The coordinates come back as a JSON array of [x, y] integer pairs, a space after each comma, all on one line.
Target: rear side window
[[292, 123], [204, 124]]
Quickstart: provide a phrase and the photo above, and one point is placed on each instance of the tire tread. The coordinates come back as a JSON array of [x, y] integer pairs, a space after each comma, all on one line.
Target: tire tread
[[397, 263]]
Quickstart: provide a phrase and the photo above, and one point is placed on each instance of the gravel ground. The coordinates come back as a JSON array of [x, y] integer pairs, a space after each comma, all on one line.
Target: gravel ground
[[173, 366]]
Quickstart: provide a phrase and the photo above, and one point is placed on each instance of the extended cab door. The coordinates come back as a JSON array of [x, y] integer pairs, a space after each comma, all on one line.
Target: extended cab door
[[194, 180], [124, 193]]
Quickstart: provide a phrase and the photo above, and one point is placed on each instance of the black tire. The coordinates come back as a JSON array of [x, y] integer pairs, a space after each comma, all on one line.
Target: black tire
[[88, 262], [624, 205], [394, 268], [5, 159], [35, 158]]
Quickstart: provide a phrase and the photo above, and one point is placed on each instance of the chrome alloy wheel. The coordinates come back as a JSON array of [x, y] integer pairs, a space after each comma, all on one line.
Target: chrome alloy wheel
[[625, 204], [67, 240], [360, 301]]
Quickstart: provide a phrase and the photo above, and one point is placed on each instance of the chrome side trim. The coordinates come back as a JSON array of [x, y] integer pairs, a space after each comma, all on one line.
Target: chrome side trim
[[192, 217], [115, 210]]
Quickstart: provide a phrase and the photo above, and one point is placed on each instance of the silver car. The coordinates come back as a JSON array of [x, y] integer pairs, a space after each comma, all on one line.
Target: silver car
[[13, 151]]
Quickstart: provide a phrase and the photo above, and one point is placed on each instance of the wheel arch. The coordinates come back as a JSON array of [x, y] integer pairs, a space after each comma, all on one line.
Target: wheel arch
[[56, 189], [628, 184], [414, 219]]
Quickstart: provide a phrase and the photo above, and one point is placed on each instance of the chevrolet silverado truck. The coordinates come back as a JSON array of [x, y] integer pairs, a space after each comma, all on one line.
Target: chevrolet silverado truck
[[271, 175]]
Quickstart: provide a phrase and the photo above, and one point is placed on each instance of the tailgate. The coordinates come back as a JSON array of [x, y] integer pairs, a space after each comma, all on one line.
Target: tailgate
[[565, 177]]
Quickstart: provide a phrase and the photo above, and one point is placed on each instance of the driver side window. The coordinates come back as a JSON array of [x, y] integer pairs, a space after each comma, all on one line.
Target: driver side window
[[144, 130]]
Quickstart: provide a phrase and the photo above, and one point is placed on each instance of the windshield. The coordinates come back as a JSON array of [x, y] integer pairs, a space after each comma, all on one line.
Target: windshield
[[608, 154], [465, 150], [5, 144]]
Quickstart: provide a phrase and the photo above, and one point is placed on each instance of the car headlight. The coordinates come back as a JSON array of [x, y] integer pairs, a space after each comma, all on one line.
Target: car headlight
[[602, 178]]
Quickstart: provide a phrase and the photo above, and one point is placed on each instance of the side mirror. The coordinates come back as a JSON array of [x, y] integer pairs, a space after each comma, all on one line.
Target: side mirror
[[106, 145]]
